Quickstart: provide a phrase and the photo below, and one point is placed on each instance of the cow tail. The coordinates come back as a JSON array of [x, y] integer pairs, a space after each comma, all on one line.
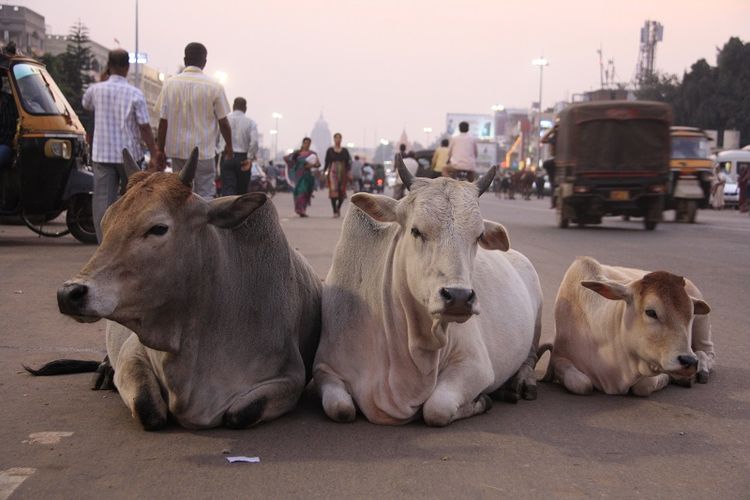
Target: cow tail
[[63, 367], [539, 353]]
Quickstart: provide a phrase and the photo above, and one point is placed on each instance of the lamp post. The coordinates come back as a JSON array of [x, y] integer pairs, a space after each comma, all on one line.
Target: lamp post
[[541, 62], [384, 143], [427, 132], [275, 132]]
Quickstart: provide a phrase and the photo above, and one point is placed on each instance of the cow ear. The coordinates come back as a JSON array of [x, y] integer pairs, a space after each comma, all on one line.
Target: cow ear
[[231, 211], [494, 237], [700, 307], [609, 289], [380, 208]]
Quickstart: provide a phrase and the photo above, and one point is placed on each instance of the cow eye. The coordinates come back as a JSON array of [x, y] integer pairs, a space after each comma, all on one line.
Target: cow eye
[[651, 314], [415, 232], [157, 230]]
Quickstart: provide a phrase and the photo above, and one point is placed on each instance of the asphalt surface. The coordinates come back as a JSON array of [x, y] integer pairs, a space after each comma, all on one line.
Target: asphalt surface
[[58, 439]]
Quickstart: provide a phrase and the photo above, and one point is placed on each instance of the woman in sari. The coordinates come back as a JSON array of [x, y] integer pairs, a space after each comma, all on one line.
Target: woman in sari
[[299, 166], [337, 170]]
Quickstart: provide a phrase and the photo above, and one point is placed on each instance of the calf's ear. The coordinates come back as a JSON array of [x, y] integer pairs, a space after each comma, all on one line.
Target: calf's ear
[[231, 211], [494, 237], [609, 289], [380, 208], [700, 307]]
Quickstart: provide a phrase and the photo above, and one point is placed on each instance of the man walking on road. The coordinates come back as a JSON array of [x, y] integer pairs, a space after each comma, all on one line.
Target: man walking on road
[[357, 174], [235, 173], [193, 109], [121, 121]]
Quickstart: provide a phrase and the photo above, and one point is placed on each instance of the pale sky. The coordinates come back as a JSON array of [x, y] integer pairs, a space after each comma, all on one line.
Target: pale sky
[[376, 67]]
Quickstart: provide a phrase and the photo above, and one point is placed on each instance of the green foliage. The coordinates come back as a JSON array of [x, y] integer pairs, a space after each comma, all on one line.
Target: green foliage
[[71, 69], [709, 97]]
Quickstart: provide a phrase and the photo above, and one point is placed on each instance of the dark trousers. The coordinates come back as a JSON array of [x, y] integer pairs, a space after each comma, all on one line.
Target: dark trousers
[[233, 179]]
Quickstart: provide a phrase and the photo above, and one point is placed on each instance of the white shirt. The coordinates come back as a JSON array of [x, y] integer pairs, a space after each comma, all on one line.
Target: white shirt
[[192, 103], [244, 134], [462, 152]]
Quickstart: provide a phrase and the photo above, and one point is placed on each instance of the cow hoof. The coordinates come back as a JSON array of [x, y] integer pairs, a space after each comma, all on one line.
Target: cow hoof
[[341, 412], [486, 401], [528, 392], [247, 416], [148, 412], [104, 378], [683, 382], [702, 377]]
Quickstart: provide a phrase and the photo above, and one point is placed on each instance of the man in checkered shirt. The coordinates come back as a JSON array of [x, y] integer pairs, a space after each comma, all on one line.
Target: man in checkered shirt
[[120, 122]]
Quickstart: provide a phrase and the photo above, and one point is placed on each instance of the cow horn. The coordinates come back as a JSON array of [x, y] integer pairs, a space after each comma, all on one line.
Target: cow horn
[[484, 182], [131, 167], [187, 174], [406, 177]]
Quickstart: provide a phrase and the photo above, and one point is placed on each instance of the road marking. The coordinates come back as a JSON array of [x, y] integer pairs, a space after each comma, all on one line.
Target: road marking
[[11, 479], [48, 437]]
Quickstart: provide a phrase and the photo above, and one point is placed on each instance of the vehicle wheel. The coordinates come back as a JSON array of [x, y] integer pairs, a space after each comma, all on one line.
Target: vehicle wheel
[[650, 225], [691, 211], [37, 224], [80, 219], [562, 221]]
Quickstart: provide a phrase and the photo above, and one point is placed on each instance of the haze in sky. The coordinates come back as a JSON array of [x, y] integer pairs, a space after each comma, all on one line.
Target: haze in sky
[[375, 68]]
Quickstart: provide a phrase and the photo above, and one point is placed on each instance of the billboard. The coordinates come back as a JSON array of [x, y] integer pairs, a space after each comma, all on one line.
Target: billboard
[[480, 126]]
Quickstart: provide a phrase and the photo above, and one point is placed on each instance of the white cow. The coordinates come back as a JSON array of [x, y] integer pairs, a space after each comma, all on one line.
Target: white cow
[[623, 330], [425, 309], [221, 316]]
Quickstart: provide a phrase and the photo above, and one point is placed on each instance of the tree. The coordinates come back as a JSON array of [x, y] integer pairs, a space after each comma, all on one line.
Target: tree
[[709, 97], [77, 63]]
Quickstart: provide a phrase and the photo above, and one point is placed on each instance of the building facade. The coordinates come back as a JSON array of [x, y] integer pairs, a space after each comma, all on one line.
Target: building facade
[[24, 27]]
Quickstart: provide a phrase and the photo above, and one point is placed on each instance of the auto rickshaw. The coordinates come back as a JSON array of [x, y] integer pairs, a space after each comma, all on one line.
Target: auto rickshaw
[[611, 158], [691, 173], [47, 173]]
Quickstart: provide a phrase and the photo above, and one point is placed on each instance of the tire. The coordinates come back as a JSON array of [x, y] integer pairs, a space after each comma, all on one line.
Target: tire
[[691, 211], [562, 221], [80, 219]]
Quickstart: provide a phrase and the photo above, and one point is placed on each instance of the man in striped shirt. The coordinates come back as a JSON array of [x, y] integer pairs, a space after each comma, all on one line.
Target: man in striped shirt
[[193, 109], [120, 122]]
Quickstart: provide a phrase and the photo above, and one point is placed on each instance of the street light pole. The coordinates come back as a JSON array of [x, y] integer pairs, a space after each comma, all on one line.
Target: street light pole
[[276, 116], [541, 62], [137, 73]]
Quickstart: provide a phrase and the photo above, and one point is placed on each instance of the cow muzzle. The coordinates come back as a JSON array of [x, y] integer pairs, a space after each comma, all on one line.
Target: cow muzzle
[[458, 304], [72, 298], [686, 366]]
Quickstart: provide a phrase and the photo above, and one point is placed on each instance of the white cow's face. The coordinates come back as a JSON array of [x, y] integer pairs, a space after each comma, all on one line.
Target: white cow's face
[[441, 227], [657, 321]]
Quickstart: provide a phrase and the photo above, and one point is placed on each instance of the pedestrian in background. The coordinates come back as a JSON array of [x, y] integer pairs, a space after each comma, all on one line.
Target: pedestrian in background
[[300, 164], [357, 174], [121, 121], [193, 109], [717, 190], [462, 154], [337, 169], [8, 126], [440, 157], [743, 183], [235, 172]]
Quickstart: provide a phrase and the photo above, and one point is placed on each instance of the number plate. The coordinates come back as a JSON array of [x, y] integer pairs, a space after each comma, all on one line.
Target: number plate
[[619, 195]]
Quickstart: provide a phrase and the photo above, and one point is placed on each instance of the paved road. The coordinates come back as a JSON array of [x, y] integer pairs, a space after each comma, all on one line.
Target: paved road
[[61, 440]]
